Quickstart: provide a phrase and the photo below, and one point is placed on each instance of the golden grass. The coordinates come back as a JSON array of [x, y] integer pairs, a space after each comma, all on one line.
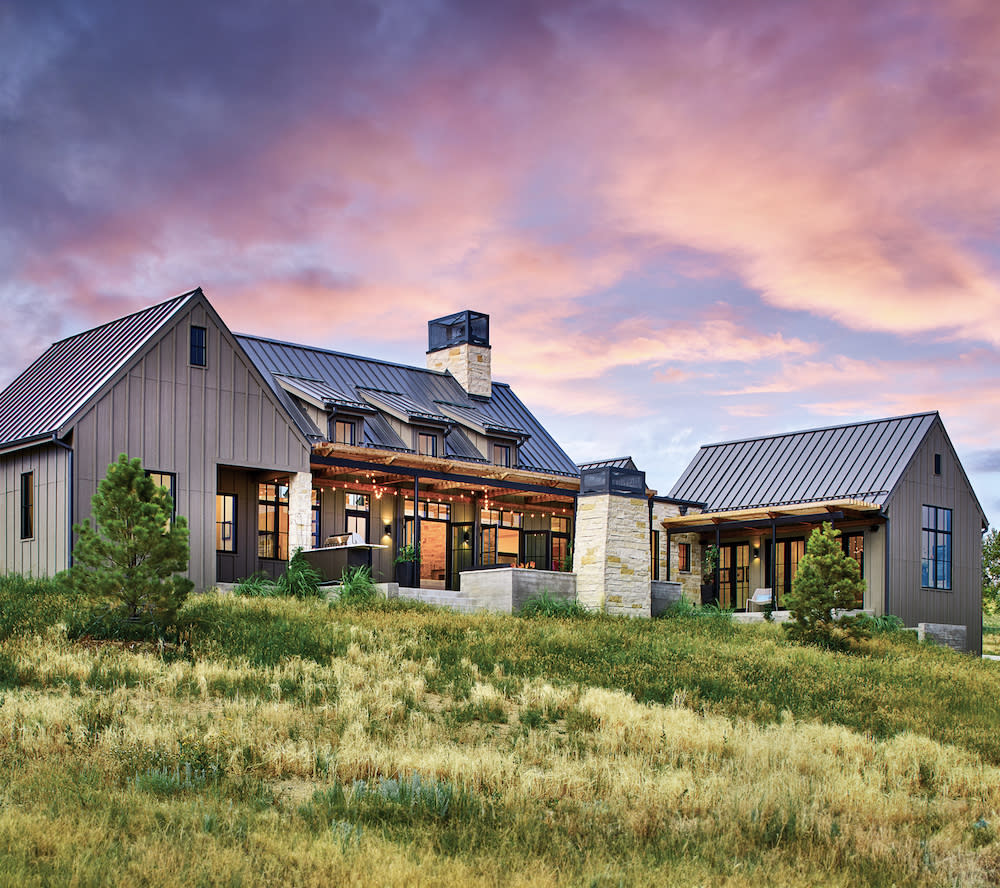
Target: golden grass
[[120, 768]]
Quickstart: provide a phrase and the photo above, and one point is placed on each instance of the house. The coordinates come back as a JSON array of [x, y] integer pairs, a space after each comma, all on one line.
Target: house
[[894, 487], [267, 446]]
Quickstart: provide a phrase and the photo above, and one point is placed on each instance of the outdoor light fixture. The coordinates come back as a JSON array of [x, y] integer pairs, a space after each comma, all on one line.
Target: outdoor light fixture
[[756, 550], [465, 537], [388, 529]]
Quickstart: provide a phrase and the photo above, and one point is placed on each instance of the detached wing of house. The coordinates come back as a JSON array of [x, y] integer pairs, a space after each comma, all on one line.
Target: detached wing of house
[[896, 489]]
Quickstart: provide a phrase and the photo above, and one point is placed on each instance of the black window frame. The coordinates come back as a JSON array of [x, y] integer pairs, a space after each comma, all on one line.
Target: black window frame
[[684, 558], [348, 422], [274, 534], [431, 436], [221, 524], [934, 536], [27, 505], [507, 453], [937, 463], [171, 488], [198, 356]]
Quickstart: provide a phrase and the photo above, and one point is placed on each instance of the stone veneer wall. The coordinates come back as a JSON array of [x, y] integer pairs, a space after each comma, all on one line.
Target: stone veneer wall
[[690, 580], [469, 364], [611, 554], [299, 511]]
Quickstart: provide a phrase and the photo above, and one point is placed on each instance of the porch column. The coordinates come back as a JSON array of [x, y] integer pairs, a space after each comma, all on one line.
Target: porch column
[[718, 565], [299, 511], [416, 527], [669, 553], [774, 565]]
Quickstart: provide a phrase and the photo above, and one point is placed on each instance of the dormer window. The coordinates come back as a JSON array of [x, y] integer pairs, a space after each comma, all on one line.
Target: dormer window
[[502, 455], [345, 431], [427, 444]]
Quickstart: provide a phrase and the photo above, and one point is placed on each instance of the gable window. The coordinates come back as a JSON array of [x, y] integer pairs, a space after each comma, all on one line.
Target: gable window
[[225, 522], [427, 444], [684, 557], [935, 548], [199, 346], [501, 455], [345, 432], [937, 463], [168, 480], [27, 505], [272, 520]]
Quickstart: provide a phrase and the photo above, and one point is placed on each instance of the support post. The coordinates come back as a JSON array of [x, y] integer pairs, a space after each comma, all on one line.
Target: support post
[[718, 564], [416, 526], [774, 565], [670, 552], [299, 511]]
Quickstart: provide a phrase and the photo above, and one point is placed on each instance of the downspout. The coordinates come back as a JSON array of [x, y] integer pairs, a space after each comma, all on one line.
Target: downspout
[[888, 573], [69, 520]]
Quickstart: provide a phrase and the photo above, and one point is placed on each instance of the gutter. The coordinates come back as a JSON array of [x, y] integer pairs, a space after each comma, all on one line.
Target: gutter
[[69, 537]]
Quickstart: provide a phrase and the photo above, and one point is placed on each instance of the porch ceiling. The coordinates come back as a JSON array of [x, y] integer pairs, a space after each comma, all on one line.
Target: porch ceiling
[[807, 513]]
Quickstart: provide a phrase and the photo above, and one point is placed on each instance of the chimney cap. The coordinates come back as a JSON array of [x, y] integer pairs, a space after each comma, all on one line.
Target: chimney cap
[[462, 327]]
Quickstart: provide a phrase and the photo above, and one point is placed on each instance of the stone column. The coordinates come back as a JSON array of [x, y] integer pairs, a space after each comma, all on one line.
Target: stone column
[[299, 511], [611, 554]]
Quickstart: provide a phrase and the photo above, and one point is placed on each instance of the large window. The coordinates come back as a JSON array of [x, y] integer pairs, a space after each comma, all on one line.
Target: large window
[[356, 512], [27, 505], [345, 432], [199, 346], [935, 548], [225, 522], [168, 480], [272, 520]]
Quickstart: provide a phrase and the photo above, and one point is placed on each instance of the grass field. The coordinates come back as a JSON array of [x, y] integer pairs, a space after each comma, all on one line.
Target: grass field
[[991, 634], [293, 743]]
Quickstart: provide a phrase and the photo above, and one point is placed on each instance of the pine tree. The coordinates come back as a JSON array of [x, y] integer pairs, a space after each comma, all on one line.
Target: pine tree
[[991, 572], [827, 580], [132, 557]]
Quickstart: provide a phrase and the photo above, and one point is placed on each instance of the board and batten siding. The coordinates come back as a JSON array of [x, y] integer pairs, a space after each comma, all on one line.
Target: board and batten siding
[[187, 420], [46, 552], [919, 487]]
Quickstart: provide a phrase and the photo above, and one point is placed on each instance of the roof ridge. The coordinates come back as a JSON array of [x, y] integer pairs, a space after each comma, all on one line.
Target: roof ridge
[[147, 310], [829, 428]]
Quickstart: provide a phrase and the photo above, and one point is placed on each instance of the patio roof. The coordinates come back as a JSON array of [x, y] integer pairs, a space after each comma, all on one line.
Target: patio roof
[[804, 513]]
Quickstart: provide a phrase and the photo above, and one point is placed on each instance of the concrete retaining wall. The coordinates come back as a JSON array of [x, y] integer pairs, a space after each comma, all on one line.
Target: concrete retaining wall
[[504, 589], [951, 634], [662, 595]]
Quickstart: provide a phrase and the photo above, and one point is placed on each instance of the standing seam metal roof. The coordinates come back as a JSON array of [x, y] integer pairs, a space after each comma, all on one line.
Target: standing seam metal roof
[[423, 389], [858, 460], [69, 372]]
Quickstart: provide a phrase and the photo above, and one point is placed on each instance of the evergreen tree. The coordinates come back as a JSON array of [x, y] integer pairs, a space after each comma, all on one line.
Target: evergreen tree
[[827, 580], [991, 572], [132, 557]]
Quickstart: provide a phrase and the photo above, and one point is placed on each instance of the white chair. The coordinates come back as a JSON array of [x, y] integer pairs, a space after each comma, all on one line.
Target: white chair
[[760, 600]]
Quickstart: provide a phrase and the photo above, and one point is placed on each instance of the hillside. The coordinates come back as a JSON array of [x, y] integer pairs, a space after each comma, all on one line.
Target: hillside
[[295, 743]]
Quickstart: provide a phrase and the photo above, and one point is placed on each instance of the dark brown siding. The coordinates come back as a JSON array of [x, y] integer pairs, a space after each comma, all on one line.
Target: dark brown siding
[[45, 553], [919, 486], [187, 420]]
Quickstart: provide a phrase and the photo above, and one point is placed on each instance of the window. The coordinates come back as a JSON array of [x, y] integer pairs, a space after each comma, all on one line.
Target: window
[[168, 480], [937, 463], [559, 524], [427, 444], [344, 432], [225, 522], [199, 347], [434, 511], [501, 455], [684, 557], [315, 518], [502, 518], [935, 548], [654, 554], [27, 505], [272, 520], [356, 514]]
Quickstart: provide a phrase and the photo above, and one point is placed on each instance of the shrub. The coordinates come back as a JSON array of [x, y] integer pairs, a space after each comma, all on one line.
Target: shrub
[[132, 557], [258, 585], [827, 580], [357, 588], [300, 578], [547, 605]]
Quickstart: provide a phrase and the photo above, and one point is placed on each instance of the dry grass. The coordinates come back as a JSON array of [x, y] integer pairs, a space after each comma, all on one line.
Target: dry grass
[[122, 767]]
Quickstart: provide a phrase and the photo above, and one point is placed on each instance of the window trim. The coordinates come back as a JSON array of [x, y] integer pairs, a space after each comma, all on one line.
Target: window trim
[[507, 450], [232, 534], [433, 436], [684, 564], [275, 534], [198, 350], [27, 506], [350, 422], [171, 488]]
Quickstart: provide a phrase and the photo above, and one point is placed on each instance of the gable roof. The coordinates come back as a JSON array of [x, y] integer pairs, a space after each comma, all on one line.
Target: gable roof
[[861, 460], [39, 402], [413, 392]]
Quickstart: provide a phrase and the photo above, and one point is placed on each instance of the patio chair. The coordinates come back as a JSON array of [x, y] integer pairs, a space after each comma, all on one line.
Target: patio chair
[[760, 600]]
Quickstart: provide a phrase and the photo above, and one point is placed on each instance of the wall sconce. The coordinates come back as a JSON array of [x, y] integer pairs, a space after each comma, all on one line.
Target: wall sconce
[[388, 529], [466, 539], [756, 550]]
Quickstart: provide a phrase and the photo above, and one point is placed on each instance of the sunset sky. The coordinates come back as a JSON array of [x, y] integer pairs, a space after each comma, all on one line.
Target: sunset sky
[[688, 221]]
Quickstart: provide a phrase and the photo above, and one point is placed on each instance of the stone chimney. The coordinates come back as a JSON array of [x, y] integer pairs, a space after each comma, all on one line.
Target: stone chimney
[[460, 343]]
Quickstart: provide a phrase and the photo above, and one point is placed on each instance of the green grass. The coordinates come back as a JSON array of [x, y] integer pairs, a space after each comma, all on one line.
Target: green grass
[[290, 741]]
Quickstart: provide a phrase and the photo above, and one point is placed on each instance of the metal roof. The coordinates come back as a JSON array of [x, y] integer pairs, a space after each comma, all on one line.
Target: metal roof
[[405, 408], [318, 391], [478, 421], [423, 391], [620, 462], [861, 460], [69, 372]]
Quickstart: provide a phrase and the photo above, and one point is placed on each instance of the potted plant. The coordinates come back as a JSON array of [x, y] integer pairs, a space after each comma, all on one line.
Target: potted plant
[[407, 560]]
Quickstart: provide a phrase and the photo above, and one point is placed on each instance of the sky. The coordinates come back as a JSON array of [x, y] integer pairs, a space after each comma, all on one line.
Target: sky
[[688, 221]]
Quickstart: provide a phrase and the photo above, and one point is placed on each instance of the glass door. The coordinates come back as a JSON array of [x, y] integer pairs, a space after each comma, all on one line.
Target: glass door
[[461, 552], [536, 549], [734, 575]]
